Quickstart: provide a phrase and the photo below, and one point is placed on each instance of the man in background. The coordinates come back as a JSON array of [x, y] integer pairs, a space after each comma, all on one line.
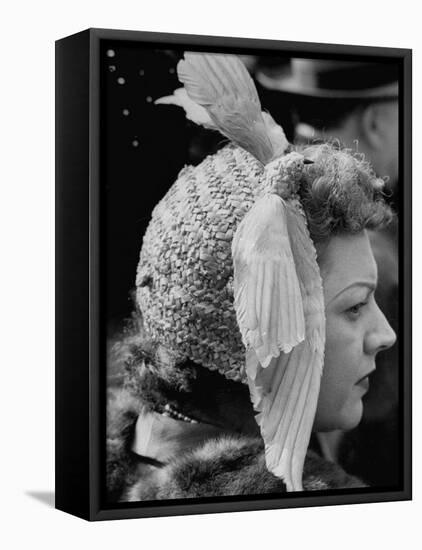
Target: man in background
[[354, 102]]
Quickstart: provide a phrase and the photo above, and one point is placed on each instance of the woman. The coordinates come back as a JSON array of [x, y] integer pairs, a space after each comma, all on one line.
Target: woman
[[256, 321]]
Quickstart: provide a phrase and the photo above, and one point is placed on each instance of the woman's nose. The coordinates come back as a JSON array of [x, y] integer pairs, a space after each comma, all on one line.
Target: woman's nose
[[381, 335]]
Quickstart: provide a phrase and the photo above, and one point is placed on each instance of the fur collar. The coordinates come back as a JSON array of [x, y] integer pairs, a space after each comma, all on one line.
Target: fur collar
[[218, 465]]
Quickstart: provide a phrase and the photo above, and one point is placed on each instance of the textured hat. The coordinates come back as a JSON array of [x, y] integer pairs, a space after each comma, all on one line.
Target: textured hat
[[227, 275], [185, 274]]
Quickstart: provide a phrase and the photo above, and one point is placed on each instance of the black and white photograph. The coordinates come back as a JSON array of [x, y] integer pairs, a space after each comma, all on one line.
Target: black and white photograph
[[252, 206]]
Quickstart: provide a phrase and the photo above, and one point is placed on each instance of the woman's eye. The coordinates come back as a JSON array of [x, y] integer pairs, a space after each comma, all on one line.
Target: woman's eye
[[355, 310]]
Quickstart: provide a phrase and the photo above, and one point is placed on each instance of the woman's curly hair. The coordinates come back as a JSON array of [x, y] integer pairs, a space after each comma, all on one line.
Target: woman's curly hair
[[340, 193]]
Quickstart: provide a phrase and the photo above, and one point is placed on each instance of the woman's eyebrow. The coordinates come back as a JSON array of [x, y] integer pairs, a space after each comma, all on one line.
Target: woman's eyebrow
[[371, 285]]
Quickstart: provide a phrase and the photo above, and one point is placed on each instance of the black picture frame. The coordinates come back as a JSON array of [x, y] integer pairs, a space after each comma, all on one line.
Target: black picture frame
[[80, 330]]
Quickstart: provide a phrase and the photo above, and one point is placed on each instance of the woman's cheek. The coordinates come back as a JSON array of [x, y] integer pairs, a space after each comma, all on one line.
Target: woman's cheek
[[341, 365], [349, 351]]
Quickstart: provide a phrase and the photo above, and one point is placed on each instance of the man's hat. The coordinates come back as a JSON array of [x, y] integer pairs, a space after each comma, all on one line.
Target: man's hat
[[321, 78]]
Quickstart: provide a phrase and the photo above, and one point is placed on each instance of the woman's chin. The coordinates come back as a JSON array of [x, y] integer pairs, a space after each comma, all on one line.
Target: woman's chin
[[351, 416], [346, 419]]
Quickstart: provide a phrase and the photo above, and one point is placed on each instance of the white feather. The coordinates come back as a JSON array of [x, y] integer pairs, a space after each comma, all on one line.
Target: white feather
[[223, 86], [194, 112]]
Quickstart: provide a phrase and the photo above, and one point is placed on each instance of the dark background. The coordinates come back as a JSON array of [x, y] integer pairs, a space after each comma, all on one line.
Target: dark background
[[144, 148]]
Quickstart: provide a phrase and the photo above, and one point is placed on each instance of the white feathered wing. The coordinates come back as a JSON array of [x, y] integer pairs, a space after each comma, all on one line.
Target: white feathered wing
[[285, 391]]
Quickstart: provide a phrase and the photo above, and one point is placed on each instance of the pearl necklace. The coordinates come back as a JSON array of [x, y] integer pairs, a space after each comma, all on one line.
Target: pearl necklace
[[172, 412]]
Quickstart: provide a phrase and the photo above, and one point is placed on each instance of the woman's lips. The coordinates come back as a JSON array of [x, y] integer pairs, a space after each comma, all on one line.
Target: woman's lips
[[364, 381]]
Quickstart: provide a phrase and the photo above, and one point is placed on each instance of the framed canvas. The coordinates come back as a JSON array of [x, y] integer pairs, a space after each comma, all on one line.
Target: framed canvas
[[233, 274]]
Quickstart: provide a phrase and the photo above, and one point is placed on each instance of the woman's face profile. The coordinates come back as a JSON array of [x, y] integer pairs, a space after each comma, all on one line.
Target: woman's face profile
[[356, 330]]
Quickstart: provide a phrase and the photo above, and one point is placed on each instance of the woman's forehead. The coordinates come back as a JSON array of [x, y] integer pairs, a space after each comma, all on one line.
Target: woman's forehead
[[347, 260]]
